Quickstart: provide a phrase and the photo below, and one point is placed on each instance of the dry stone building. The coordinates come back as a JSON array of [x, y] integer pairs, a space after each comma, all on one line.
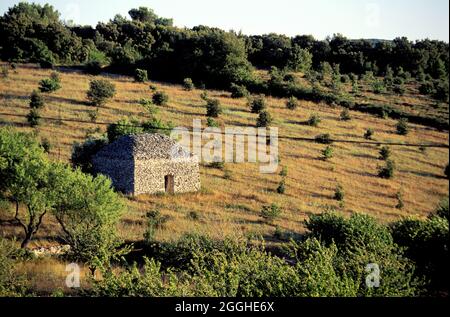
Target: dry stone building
[[148, 164]]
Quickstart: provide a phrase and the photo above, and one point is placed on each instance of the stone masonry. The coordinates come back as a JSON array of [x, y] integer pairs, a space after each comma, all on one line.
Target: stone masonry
[[148, 164]]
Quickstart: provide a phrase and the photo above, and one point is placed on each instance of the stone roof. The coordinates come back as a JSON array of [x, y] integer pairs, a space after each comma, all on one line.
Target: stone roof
[[144, 147]]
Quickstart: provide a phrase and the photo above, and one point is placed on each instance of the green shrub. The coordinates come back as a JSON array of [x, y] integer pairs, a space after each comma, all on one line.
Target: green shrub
[[327, 153], [385, 153], [188, 84], [399, 90], [339, 193], [400, 200], [160, 98], [369, 134], [387, 171], [140, 75], [402, 127], [93, 67], [264, 119], [217, 164], [36, 100], [314, 120], [46, 145], [281, 189], [324, 139], [49, 85], [284, 171], [155, 221], [210, 122], [345, 115], [292, 103], [238, 91], [257, 104], [100, 91], [123, 127], [82, 153], [426, 243], [11, 283], [270, 212], [426, 88], [213, 108], [149, 107], [34, 118], [442, 209]]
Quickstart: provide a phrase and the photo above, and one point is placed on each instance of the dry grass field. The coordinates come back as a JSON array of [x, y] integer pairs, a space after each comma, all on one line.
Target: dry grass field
[[231, 205]]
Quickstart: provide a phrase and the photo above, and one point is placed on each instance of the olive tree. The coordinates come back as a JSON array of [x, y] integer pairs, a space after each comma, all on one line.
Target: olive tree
[[100, 91]]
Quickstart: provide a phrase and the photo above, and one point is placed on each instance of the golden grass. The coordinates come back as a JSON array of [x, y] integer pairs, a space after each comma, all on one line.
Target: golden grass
[[231, 206]]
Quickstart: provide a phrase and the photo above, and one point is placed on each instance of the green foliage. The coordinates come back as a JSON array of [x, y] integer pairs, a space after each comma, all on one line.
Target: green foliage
[[284, 171], [238, 91], [88, 210], [36, 100], [426, 88], [345, 115], [5, 71], [400, 200], [188, 84], [46, 145], [11, 283], [378, 86], [257, 104], [210, 122], [270, 212], [264, 119], [155, 221], [213, 108], [82, 153], [426, 243], [387, 171], [281, 189], [385, 153], [123, 127], [339, 193], [49, 85], [324, 139], [33, 118], [314, 120], [160, 98], [327, 153], [149, 107], [292, 103], [217, 164], [369, 134], [140, 75], [402, 127], [100, 91]]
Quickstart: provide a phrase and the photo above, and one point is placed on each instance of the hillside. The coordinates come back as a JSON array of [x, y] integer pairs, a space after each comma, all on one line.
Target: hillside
[[230, 205]]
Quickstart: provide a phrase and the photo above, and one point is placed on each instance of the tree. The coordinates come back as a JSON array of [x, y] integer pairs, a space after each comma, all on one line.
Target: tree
[[213, 108], [188, 84], [387, 171], [238, 91], [123, 127], [264, 119], [50, 85], [26, 180], [100, 91], [36, 100], [160, 98], [385, 153], [257, 104], [292, 103], [270, 212], [88, 209], [314, 120], [33, 118], [140, 75], [369, 134], [327, 153], [402, 127], [345, 115]]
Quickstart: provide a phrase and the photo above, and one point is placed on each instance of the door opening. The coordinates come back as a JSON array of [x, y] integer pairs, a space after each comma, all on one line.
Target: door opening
[[169, 184]]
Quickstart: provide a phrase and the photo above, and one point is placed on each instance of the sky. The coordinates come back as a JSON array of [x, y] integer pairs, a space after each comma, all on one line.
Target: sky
[[381, 19]]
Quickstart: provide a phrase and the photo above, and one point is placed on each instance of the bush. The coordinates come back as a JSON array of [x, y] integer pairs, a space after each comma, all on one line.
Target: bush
[[292, 103], [46, 145], [213, 108], [402, 127], [140, 75], [257, 104], [284, 171], [11, 283], [160, 98], [426, 88], [210, 122], [400, 200], [387, 171], [82, 153], [100, 91], [188, 84], [238, 91], [281, 189], [155, 221], [33, 118], [385, 153], [314, 120], [123, 127], [426, 243], [339, 193], [324, 139], [49, 85], [93, 67], [345, 115], [327, 153], [270, 212], [264, 119], [369, 134], [36, 100], [399, 90]]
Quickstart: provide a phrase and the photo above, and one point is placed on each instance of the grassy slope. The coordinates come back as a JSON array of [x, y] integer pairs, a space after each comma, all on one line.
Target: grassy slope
[[231, 206]]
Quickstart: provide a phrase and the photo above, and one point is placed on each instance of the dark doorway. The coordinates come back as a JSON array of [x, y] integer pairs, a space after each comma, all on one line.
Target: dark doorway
[[169, 184]]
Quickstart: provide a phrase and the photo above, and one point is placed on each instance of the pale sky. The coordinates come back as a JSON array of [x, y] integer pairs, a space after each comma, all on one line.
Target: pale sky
[[382, 19]]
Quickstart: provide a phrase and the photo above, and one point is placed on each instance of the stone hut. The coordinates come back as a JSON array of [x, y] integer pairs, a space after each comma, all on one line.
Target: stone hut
[[148, 164]]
